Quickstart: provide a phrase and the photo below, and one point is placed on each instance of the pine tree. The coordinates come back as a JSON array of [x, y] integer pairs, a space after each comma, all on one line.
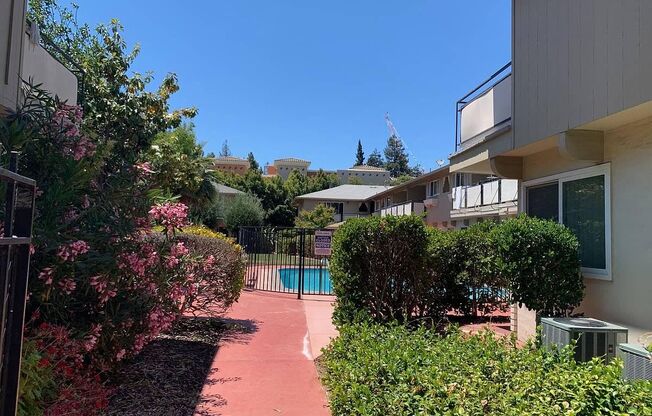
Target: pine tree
[[225, 151], [253, 164], [359, 155], [396, 158], [375, 159]]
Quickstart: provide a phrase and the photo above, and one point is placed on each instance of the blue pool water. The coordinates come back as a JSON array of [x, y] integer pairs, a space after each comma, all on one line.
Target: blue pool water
[[315, 280]]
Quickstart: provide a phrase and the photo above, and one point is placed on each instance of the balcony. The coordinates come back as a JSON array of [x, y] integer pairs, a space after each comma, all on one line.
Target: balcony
[[406, 208], [497, 197], [42, 67], [485, 112]]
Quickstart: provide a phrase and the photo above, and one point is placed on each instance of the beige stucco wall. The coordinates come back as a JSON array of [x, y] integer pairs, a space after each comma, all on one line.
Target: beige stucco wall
[[627, 297], [40, 67], [439, 210]]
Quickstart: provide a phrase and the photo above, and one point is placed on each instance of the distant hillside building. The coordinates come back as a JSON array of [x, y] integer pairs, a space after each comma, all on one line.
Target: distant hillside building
[[363, 175], [231, 164], [283, 167]]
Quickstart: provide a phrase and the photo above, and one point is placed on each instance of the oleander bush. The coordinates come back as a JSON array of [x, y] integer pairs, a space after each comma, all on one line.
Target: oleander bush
[[397, 268], [374, 369]]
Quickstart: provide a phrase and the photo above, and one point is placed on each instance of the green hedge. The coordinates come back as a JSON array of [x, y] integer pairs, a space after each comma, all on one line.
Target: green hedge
[[383, 370], [396, 268], [383, 267], [540, 260]]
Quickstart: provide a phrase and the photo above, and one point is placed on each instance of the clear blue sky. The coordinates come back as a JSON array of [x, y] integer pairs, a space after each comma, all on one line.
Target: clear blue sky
[[309, 78]]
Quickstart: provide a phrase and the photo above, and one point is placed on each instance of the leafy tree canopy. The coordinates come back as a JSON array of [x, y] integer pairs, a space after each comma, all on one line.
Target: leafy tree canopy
[[319, 217], [253, 163], [376, 159], [396, 158], [225, 150]]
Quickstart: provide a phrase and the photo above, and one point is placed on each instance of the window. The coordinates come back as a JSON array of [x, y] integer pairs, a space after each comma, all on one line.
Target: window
[[579, 200], [433, 188], [337, 206]]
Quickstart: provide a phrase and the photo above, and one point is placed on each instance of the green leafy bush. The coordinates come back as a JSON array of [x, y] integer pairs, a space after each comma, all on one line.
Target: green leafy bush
[[540, 260], [221, 278], [243, 211], [379, 267], [395, 268], [318, 217], [373, 369], [470, 258]]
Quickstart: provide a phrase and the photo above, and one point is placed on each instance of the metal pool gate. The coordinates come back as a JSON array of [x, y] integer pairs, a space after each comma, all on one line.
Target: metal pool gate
[[15, 243], [287, 260]]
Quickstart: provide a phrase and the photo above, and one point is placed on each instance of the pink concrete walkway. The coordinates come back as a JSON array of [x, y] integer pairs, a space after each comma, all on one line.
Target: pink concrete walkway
[[268, 369]]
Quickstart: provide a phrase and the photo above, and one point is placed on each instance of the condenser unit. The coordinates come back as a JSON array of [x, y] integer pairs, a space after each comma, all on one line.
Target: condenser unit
[[637, 362], [594, 338]]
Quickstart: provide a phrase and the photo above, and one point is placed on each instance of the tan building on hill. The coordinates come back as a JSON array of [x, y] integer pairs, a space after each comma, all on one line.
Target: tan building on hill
[[231, 164], [363, 175], [572, 124], [283, 167]]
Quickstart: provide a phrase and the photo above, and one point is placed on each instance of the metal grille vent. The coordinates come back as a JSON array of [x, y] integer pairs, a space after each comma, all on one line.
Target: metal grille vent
[[637, 362]]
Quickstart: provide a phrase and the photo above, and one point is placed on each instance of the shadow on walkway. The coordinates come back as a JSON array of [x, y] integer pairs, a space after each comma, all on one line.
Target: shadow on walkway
[[167, 377]]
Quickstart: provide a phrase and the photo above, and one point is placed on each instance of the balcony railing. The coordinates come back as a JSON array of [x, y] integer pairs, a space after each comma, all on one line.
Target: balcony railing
[[486, 194], [406, 208], [46, 64], [485, 108]]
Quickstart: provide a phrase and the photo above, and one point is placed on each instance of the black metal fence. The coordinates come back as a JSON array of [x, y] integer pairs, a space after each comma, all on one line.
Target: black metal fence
[[285, 260], [20, 194]]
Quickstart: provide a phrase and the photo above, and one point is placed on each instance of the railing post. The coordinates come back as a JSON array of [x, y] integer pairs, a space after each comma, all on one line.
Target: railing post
[[302, 244]]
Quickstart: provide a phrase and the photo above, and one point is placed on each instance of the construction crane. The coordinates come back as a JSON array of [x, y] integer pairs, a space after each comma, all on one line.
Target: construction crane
[[390, 127]]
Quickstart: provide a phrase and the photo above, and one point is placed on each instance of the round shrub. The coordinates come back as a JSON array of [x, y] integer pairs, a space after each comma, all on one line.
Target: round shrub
[[380, 268], [243, 211], [220, 279], [540, 260]]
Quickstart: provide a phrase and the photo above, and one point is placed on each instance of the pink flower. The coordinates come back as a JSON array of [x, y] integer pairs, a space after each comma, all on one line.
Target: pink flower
[[120, 355], [71, 251], [67, 285], [46, 275], [170, 215]]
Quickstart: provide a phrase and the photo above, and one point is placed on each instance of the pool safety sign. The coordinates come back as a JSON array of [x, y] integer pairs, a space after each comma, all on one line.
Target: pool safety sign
[[323, 240]]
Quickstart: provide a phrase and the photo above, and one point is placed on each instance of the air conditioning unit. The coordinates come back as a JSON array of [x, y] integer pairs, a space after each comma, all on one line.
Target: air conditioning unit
[[594, 338], [637, 362]]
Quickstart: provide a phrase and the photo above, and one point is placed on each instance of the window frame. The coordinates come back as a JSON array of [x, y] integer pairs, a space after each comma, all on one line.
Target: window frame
[[561, 178], [433, 184]]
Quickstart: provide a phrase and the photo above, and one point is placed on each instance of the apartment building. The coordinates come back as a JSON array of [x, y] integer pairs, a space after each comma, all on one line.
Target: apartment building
[[363, 175], [578, 139], [231, 164]]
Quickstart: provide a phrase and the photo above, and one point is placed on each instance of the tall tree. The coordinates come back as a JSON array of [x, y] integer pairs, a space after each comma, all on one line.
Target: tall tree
[[359, 155], [253, 164], [225, 150], [396, 158], [375, 159]]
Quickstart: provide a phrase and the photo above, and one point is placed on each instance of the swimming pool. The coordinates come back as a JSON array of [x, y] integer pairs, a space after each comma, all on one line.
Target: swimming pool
[[315, 280]]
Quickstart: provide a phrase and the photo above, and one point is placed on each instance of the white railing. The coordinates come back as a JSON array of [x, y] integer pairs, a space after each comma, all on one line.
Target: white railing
[[407, 208], [486, 194], [487, 110]]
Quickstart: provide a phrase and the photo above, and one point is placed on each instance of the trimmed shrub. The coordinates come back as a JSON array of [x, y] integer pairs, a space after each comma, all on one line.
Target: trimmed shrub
[[244, 210], [471, 261], [221, 278], [380, 268], [540, 260], [383, 370]]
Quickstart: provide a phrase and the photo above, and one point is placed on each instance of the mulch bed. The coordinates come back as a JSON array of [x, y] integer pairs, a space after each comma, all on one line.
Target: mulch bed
[[167, 377]]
